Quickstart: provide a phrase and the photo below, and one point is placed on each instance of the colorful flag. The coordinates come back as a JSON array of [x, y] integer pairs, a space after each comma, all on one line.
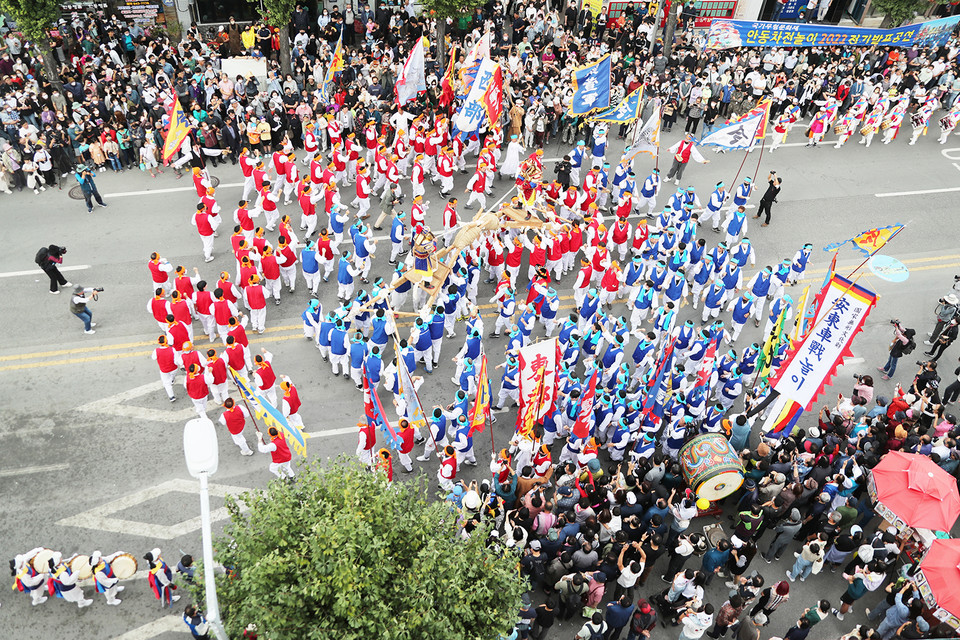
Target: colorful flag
[[736, 135], [415, 414], [771, 347], [805, 311], [591, 87], [534, 358], [782, 418], [843, 308], [471, 64], [269, 415], [705, 371], [646, 138], [336, 66], [493, 97], [627, 111], [413, 77], [527, 416], [473, 111], [870, 241], [377, 417], [762, 109], [582, 427], [446, 83], [177, 132], [480, 412], [655, 399]]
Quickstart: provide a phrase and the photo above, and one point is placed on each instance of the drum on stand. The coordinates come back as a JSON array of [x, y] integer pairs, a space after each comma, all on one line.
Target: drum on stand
[[124, 566], [80, 567], [41, 561], [710, 466]]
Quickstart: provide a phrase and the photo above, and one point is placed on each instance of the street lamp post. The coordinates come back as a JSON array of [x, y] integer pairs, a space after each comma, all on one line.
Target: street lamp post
[[202, 453]]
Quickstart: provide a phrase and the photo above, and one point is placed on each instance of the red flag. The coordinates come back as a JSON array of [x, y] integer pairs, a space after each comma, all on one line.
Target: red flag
[[530, 409], [481, 405], [581, 429], [493, 97], [446, 84]]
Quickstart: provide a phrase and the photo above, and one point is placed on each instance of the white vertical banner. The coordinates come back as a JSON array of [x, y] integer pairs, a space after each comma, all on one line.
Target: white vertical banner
[[533, 358]]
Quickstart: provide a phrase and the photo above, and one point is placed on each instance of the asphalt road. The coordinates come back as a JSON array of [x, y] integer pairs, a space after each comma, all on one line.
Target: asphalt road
[[90, 448]]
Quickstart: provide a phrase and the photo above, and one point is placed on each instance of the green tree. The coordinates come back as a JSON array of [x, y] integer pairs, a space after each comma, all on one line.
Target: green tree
[[896, 12], [277, 14], [342, 553], [443, 9], [35, 18]]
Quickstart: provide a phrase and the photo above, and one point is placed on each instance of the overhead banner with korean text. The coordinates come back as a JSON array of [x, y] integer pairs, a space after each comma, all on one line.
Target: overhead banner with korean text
[[728, 34], [533, 358], [844, 306]]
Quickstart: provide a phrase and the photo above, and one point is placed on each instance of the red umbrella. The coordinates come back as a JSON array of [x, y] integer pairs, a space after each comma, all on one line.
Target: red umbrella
[[941, 568], [917, 490]]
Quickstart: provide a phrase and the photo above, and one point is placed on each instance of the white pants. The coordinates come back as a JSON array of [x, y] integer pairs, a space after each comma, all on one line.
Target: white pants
[[508, 394], [446, 184], [209, 325], [76, 595], [241, 442], [271, 288], [309, 222], [167, 380], [281, 469], [257, 319], [709, 214], [248, 187], [339, 364], [404, 459], [207, 242], [270, 394], [200, 406], [476, 197], [220, 392], [111, 594]]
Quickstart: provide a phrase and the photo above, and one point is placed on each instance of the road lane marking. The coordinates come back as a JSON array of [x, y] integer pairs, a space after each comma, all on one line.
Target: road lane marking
[[40, 272], [330, 432], [160, 626], [10, 473], [298, 327], [150, 192], [100, 518], [895, 194]]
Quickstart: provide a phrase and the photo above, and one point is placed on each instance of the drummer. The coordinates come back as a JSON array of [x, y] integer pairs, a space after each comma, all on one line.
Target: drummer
[[64, 582], [103, 578], [27, 579]]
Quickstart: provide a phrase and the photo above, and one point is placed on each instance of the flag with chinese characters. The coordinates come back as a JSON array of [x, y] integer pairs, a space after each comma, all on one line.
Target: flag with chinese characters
[[408, 391], [627, 111], [493, 97], [736, 135], [708, 365], [269, 415], [177, 132], [472, 113], [533, 358], [480, 412], [585, 422], [413, 78], [843, 308], [530, 405], [375, 415], [591, 87]]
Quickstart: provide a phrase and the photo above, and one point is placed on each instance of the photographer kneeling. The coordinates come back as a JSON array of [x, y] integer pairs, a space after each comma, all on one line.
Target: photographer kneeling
[[78, 306]]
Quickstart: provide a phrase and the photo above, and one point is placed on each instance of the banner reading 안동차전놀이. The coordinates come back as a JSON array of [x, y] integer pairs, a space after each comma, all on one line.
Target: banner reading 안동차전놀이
[[843, 307], [727, 34]]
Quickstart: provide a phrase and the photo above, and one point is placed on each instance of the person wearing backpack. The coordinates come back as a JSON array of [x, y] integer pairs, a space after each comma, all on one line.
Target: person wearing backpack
[[595, 629], [903, 344], [47, 259]]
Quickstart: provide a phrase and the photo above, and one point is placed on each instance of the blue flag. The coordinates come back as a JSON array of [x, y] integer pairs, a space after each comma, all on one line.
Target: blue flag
[[627, 111], [591, 87], [270, 415], [655, 400]]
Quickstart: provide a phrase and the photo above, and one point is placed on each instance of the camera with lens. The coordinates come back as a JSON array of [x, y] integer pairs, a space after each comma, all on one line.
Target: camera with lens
[[895, 321], [98, 289]]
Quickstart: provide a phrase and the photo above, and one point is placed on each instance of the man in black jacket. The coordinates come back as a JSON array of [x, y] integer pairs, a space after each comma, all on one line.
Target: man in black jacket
[[47, 259]]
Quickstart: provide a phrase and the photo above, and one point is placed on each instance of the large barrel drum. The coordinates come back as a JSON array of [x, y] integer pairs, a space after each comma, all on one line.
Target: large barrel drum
[[710, 466]]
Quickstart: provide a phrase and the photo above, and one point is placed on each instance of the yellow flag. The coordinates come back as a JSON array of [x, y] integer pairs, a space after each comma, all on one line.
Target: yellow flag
[[178, 131]]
